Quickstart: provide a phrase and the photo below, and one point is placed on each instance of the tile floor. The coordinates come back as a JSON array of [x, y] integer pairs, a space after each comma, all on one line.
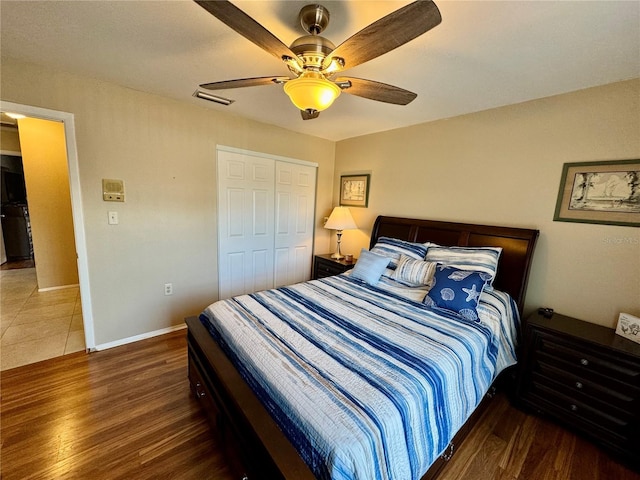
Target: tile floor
[[36, 325]]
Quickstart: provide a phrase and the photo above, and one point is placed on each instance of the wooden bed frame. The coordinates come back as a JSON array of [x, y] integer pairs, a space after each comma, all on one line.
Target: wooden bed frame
[[256, 447]]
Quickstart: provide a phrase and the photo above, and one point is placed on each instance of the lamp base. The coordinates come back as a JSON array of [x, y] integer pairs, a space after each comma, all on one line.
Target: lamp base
[[338, 255]]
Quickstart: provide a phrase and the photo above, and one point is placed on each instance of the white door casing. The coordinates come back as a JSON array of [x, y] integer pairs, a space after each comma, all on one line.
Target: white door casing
[[76, 206]]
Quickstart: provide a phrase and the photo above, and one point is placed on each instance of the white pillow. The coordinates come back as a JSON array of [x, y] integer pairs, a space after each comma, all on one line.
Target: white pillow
[[414, 272], [475, 259], [393, 248]]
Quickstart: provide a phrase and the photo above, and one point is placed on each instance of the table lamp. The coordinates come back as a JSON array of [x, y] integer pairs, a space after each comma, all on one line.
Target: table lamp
[[339, 220]]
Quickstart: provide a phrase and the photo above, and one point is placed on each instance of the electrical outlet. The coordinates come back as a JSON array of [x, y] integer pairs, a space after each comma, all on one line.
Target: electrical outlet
[[168, 288]]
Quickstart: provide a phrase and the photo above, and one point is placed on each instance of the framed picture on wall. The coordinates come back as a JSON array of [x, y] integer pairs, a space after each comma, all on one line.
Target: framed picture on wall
[[354, 190], [600, 192]]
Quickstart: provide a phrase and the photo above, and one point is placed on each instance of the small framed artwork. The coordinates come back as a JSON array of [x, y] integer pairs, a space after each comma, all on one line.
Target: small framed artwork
[[629, 327], [354, 190], [600, 192]]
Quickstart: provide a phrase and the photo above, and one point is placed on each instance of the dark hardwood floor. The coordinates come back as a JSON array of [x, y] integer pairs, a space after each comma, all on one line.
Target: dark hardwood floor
[[127, 413]]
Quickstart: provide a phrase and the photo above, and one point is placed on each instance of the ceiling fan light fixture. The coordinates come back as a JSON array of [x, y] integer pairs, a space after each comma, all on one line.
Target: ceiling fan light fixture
[[311, 91]]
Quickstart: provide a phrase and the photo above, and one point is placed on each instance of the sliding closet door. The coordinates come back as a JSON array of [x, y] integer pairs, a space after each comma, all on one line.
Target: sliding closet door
[[245, 223], [294, 214]]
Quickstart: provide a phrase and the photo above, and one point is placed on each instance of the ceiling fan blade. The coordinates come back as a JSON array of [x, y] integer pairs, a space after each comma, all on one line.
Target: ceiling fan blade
[[246, 26], [244, 82], [378, 91], [307, 115], [389, 32]]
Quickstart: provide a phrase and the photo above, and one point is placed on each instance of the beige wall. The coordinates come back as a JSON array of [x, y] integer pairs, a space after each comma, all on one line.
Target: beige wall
[[164, 150], [503, 166], [44, 159]]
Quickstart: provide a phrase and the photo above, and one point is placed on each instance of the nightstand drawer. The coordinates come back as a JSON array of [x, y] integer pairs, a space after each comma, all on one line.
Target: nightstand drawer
[[327, 269], [325, 266], [573, 356], [615, 427], [623, 397]]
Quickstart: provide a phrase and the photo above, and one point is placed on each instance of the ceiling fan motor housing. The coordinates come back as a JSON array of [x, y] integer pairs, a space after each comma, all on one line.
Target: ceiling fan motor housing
[[312, 49]]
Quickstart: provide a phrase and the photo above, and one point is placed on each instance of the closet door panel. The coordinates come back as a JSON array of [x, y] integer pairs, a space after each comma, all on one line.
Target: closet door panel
[[261, 276], [295, 194], [235, 282], [246, 223]]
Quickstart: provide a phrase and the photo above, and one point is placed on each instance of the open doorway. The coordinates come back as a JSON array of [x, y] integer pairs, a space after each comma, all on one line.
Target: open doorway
[[57, 284], [15, 233]]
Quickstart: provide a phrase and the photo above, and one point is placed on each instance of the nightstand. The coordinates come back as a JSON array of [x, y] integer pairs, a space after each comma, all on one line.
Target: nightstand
[[325, 266], [586, 377]]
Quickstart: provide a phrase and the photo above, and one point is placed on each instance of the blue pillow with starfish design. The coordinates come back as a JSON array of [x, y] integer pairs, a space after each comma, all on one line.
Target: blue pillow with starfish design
[[457, 290]]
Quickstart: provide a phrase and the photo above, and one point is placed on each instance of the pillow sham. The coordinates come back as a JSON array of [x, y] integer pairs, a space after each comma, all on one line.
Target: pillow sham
[[401, 289], [456, 290], [393, 248], [414, 272], [476, 259], [369, 267]]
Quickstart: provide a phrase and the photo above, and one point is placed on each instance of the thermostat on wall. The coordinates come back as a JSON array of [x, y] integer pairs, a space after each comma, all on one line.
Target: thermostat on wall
[[112, 190]]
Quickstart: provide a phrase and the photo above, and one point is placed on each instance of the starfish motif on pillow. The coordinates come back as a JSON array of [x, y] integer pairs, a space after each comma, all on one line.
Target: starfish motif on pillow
[[472, 293]]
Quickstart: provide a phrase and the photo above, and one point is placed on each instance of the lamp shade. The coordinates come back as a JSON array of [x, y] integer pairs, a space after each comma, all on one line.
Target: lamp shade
[[340, 219], [311, 91]]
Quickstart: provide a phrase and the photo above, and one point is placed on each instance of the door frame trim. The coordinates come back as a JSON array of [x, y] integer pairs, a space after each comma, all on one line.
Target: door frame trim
[[67, 120]]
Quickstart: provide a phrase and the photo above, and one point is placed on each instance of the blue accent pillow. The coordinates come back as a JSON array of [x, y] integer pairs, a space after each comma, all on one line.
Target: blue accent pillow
[[369, 267], [456, 290]]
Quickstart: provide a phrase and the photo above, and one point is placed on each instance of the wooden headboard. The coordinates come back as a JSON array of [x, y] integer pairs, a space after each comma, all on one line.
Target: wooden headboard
[[517, 245]]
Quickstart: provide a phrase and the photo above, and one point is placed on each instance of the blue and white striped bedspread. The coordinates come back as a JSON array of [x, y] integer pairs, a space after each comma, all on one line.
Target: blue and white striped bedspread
[[366, 385]]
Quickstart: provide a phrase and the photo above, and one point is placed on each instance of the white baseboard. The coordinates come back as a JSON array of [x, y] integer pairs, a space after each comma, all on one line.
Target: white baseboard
[[137, 338], [61, 287]]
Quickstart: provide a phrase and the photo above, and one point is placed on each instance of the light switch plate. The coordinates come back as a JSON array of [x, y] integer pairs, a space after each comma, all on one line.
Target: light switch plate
[[113, 218]]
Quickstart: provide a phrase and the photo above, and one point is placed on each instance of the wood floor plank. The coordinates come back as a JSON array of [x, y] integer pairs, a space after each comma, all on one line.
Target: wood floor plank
[[127, 413], [519, 444], [122, 413]]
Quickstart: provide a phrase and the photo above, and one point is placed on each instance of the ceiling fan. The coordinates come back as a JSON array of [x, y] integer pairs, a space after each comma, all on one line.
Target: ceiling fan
[[315, 63]]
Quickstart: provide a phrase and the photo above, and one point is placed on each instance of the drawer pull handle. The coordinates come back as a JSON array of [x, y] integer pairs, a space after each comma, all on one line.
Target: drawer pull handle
[[574, 408], [578, 384], [199, 392], [584, 361], [448, 453]]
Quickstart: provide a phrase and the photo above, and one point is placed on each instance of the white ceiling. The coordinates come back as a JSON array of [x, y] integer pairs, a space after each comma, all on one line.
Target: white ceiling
[[484, 54]]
